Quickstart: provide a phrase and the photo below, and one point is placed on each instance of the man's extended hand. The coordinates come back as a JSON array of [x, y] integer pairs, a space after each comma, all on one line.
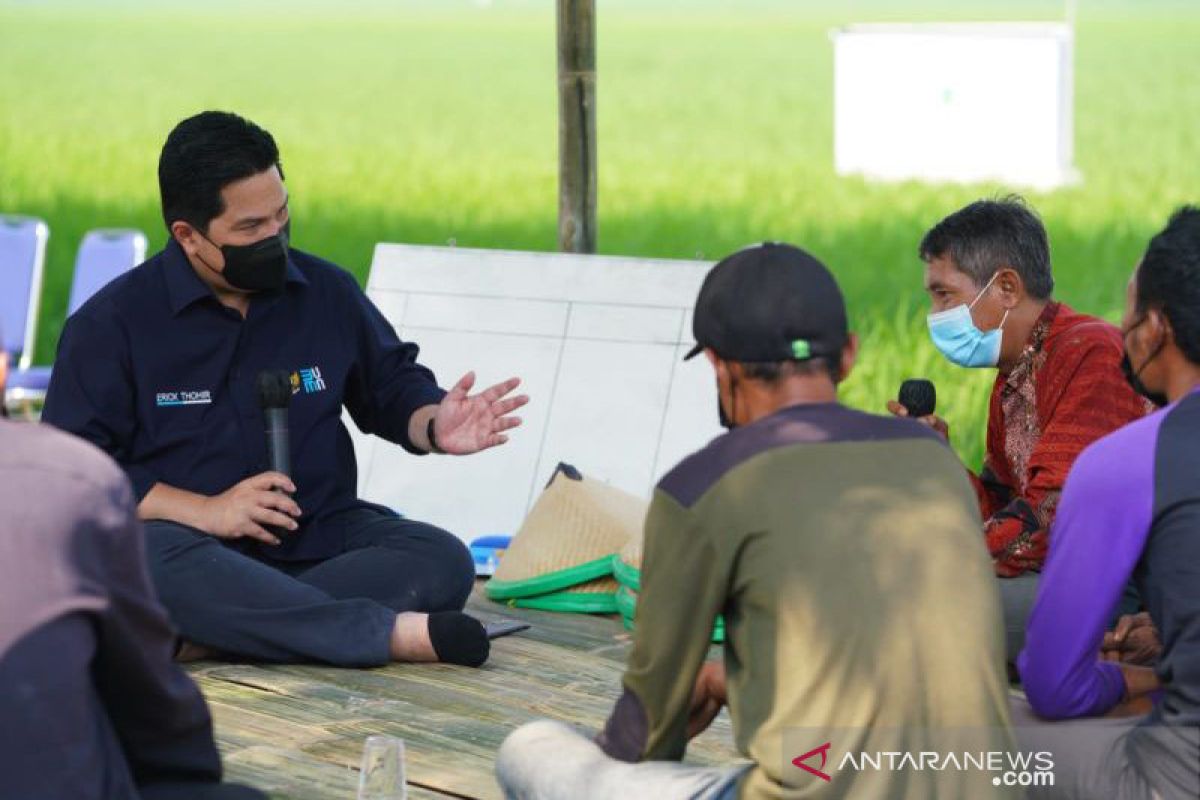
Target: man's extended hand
[[466, 423], [933, 420], [708, 697], [1134, 640], [245, 508]]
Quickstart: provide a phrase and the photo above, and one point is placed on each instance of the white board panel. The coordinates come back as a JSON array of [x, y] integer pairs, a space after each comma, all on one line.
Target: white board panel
[[692, 407], [607, 413], [597, 341]]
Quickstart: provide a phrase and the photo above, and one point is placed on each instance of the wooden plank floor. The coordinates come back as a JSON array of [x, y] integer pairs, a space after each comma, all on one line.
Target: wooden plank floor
[[297, 731]]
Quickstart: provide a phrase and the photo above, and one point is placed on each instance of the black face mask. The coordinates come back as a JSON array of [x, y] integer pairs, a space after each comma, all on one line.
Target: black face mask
[[727, 422], [257, 267], [1133, 376]]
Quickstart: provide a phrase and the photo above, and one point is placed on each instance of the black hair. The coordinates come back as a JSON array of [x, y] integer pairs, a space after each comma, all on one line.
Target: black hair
[[1169, 279], [773, 372], [203, 155], [990, 234]]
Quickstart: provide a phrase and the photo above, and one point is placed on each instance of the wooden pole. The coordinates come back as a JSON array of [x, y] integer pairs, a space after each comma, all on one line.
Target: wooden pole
[[577, 126]]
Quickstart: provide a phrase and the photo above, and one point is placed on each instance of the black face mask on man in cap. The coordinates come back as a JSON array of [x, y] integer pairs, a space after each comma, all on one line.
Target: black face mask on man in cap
[[727, 422]]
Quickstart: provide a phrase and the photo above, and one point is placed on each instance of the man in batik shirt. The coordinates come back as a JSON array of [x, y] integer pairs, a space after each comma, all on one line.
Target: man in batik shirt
[[1060, 386]]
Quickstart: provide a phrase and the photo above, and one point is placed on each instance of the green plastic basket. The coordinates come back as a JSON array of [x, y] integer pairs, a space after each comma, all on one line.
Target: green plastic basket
[[549, 582], [570, 602], [626, 603], [626, 574]]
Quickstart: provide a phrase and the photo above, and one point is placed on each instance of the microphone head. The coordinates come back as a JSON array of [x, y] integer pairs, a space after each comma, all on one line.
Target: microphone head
[[919, 397], [274, 388]]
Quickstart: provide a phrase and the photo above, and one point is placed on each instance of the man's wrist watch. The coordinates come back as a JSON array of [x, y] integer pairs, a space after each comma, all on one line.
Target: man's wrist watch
[[433, 444]]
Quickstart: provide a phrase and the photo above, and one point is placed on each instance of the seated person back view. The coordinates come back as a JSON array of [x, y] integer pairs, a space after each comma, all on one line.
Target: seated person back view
[[160, 370], [843, 550], [92, 706], [1131, 510]]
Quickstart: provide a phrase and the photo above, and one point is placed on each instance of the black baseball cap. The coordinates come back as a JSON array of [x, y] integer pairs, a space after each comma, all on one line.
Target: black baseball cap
[[770, 303]]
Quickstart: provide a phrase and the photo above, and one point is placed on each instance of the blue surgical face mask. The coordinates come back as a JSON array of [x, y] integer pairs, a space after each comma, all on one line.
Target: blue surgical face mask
[[955, 334]]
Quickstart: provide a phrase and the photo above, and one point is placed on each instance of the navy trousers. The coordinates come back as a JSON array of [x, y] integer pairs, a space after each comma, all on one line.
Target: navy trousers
[[338, 611]]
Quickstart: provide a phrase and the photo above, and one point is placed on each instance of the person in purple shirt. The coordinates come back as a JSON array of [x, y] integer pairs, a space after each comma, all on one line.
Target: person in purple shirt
[[1130, 509]]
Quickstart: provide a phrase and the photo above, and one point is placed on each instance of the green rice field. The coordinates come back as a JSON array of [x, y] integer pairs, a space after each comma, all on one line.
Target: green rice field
[[436, 122]]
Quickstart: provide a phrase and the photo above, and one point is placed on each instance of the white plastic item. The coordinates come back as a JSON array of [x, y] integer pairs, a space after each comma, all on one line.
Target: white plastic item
[[956, 102]]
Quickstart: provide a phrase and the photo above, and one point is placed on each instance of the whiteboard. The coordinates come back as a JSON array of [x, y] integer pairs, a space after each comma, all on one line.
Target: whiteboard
[[955, 102], [598, 342]]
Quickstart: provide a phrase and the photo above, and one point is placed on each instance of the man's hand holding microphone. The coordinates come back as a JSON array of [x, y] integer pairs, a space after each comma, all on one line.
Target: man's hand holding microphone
[[261, 507], [918, 400]]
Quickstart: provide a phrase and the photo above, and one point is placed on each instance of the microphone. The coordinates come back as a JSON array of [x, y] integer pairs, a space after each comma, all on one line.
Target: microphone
[[919, 397], [274, 394]]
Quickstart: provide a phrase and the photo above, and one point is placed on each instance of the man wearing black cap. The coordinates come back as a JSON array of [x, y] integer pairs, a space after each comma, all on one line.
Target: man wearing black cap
[[843, 551]]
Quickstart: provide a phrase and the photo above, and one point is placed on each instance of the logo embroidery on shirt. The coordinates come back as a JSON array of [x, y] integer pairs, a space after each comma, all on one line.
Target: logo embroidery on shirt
[[181, 398], [308, 379]]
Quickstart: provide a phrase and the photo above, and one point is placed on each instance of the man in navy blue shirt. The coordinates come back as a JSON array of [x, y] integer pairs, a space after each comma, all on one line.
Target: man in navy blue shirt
[[159, 370]]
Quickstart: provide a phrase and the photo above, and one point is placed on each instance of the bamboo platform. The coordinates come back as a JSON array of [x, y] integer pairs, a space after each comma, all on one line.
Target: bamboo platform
[[297, 732]]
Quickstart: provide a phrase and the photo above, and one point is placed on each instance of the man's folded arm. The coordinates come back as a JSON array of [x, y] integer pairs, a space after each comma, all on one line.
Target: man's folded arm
[[683, 590], [1098, 539]]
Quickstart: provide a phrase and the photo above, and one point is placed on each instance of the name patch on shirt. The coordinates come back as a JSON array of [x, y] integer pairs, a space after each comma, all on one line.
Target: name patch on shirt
[[181, 398], [308, 380]]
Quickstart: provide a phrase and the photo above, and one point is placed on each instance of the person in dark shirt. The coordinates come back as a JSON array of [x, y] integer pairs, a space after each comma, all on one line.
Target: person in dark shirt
[[159, 369], [1131, 510], [92, 707]]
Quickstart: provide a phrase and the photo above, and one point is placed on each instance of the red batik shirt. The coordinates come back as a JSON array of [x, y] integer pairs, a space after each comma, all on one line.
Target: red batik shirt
[[1066, 392]]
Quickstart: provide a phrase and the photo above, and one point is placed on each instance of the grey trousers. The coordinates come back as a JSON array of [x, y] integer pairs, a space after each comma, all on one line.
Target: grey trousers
[[548, 760], [1017, 596], [1114, 759], [1016, 599]]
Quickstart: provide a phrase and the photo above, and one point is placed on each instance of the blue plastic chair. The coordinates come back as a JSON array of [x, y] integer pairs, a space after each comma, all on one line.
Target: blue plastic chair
[[103, 255], [22, 259]]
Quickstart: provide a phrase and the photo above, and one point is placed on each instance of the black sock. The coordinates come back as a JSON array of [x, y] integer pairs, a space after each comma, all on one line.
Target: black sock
[[458, 638]]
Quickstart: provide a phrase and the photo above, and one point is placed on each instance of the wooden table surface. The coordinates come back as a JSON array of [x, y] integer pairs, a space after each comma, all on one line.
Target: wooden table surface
[[297, 732]]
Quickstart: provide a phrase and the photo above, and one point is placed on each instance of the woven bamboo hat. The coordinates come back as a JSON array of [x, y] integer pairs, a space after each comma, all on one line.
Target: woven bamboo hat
[[568, 538]]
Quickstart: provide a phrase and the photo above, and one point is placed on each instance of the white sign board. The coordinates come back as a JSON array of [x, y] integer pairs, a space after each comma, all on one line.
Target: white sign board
[[955, 102], [598, 343]]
